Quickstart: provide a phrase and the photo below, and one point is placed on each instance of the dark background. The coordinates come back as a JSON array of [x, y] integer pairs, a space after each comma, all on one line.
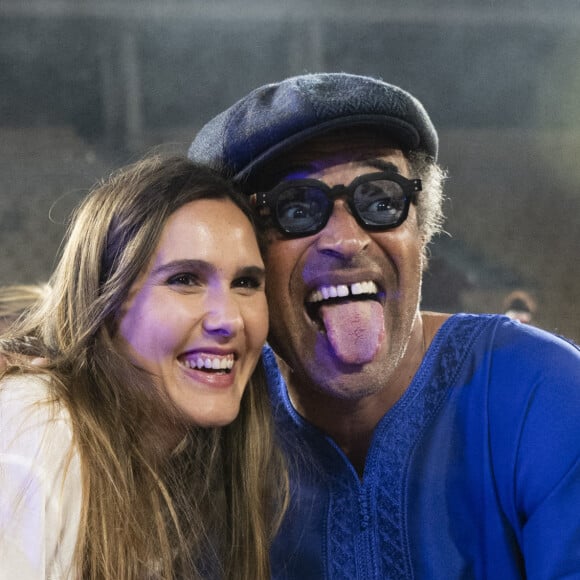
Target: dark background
[[88, 86]]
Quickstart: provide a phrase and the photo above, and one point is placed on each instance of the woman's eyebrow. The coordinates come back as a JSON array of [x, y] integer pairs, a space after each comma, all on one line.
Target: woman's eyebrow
[[187, 264], [203, 266], [252, 271]]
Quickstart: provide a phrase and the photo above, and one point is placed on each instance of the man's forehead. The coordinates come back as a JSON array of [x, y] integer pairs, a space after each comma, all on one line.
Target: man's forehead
[[320, 153], [363, 164]]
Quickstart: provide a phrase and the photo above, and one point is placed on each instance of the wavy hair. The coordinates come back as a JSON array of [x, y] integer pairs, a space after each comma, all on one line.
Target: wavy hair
[[430, 216], [209, 508], [16, 299]]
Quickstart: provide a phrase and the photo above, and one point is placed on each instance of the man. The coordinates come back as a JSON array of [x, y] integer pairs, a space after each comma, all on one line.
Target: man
[[420, 445]]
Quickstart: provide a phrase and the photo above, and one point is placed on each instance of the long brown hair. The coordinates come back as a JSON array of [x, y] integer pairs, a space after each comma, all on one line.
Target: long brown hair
[[210, 508]]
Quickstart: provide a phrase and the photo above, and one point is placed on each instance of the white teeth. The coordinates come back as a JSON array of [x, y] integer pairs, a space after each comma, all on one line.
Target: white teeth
[[316, 296], [364, 288], [214, 362], [342, 290]]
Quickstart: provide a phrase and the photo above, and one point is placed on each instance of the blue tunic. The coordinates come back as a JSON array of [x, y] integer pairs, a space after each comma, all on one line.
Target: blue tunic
[[474, 473]]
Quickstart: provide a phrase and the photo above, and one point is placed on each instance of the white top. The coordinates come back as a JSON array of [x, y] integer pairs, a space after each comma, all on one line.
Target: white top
[[40, 492]]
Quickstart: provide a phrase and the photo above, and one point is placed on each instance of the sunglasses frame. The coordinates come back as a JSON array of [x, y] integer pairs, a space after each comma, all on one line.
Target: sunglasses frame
[[265, 202]]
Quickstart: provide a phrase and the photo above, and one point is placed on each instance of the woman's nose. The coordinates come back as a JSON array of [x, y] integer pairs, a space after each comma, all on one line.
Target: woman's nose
[[223, 317]]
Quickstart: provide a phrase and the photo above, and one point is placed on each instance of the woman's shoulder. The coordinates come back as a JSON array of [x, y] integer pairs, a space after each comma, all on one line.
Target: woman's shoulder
[[30, 414], [21, 391], [40, 479]]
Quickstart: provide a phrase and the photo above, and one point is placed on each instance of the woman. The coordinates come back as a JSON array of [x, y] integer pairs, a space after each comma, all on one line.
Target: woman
[[144, 449]]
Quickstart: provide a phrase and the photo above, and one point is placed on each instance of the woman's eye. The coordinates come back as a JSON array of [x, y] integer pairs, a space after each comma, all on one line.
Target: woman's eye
[[183, 279], [248, 282]]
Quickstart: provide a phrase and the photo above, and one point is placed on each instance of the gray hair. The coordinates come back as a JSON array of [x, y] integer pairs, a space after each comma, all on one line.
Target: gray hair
[[430, 201]]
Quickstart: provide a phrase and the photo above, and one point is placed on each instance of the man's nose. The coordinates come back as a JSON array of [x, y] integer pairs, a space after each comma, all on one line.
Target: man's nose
[[223, 317], [342, 237]]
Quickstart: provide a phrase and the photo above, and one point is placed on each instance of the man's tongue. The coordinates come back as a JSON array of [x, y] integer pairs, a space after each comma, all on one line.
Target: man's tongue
[[355, 329]]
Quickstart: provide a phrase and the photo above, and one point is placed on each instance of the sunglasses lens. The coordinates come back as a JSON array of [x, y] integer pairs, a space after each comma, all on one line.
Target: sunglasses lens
[[302, 210], [380, 203]]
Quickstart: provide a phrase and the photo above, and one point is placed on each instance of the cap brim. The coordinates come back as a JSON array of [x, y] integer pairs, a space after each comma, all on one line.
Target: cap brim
[[400, 131]]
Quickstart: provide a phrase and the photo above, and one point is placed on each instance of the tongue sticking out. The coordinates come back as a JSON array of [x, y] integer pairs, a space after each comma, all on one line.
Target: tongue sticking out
[[355, 329]]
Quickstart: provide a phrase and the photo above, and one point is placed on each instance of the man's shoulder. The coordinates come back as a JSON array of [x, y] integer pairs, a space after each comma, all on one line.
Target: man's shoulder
[[499, 332], [534, 345], [526, 374], [502, 351]]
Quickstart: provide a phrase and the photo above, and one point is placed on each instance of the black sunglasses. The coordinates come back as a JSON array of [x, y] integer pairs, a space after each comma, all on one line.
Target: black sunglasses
[[302, 207]]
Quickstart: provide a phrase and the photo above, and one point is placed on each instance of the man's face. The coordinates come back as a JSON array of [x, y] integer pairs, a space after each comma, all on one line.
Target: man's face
[[347, 346]]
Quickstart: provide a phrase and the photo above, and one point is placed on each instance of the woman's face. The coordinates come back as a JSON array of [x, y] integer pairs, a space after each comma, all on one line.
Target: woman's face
[[196, 319]]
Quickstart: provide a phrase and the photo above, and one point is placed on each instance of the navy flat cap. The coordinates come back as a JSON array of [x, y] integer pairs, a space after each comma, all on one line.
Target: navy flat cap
[[278, 116]]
